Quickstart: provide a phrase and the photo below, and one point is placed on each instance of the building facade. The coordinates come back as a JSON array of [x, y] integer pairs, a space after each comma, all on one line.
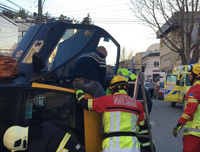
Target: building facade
[[138, 61], [168, 57], [151, 62], [8, 36]]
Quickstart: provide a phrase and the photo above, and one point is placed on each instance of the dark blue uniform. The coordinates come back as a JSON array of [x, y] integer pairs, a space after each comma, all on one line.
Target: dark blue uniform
[[48, 136]]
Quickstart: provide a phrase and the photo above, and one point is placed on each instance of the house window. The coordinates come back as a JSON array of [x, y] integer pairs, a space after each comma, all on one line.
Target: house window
[[156, 64]]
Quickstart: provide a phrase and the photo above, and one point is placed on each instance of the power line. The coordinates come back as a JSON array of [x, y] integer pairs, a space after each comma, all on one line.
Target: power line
[[17, 5]]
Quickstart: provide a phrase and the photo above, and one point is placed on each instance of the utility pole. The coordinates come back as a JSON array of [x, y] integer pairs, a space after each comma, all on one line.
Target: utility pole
[[39, 18]]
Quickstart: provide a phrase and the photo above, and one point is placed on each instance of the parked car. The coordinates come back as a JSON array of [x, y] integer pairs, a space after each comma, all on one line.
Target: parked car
[[159, 90]]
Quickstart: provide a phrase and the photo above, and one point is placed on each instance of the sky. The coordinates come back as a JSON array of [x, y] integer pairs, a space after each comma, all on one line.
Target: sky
[[115, 16]]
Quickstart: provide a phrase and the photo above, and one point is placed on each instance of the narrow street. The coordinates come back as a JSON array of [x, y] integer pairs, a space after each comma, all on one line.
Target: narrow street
[[163, 119]]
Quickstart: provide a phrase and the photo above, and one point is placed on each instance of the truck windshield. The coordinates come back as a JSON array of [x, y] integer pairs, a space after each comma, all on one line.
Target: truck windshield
[[171, 79], [187, 81]]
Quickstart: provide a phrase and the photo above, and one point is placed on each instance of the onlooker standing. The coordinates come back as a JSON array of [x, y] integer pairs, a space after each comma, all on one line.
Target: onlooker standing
[[151, 87], [89, 73]]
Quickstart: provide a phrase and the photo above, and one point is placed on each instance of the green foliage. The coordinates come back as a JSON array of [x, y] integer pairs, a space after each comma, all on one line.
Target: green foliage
[[87, 20], [62, 17], [8, 13], [21, 13]]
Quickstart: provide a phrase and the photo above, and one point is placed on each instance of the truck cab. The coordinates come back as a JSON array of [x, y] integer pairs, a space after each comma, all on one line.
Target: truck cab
[[177, 85], [46, 56]]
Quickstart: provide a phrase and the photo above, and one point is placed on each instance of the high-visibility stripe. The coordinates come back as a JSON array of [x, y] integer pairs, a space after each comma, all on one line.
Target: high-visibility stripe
[[64, 150], [143, 132], [118, 121], [191, 129], [186, 116], [133, 145], [193, 100], [90, 106], [141, 123], [146, 144], [111, 142], [134, 119], [63, 142], [80, 97]]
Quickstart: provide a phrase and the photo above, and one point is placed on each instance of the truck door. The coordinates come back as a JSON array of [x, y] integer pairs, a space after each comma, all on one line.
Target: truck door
[[171, 89]]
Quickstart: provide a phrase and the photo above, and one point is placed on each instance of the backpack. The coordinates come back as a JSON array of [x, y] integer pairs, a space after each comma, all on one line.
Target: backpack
[[8, 67]]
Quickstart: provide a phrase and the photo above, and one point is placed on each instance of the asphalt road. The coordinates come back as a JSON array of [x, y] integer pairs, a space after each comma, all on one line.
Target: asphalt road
[[163, 119]]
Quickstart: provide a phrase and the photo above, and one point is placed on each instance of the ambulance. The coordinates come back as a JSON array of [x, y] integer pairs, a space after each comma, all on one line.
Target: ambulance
[[177, 85]]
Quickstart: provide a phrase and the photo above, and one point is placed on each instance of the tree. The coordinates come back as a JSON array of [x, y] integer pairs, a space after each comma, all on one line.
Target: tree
[[8, 13], [125, 57], [22, 13], [62, 17], [87, 20], [182, 16]]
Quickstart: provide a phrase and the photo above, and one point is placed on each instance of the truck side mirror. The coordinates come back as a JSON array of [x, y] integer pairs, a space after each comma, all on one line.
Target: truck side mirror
[[178, 82]]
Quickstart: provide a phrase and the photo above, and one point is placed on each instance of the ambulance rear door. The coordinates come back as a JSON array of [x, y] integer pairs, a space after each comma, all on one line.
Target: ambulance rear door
[[171, 89]]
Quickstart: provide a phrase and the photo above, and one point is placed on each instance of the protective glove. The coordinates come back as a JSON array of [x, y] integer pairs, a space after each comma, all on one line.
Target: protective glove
[[79, 94], [177, 128]]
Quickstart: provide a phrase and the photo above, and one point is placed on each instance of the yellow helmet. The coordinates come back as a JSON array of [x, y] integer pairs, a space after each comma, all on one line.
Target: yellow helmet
[[118, 80], [194, 68]]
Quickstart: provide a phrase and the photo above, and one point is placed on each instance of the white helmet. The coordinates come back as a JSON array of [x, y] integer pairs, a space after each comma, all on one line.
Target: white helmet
[[16, 138]]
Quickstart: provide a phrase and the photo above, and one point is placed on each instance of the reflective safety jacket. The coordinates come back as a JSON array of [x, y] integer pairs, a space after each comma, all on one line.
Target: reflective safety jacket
[[126, 74], [121, 113], [54, 139], [191, 115]]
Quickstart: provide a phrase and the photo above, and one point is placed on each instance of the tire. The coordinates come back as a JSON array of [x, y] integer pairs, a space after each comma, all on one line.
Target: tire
[[183, 103], [173, 104]]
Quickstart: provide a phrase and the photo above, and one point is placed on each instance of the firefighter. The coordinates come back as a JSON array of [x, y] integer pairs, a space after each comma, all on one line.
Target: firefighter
[[121, 116], [47, 137], [128, 75], [144, 142], [191, 115]]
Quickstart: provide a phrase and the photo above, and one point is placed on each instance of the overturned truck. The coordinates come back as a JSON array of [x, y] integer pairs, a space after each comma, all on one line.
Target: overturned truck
[[46, 56]]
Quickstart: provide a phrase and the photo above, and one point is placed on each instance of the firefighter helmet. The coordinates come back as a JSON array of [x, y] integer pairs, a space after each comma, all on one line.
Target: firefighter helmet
[[16, 138], [118, 80], [194, 68]]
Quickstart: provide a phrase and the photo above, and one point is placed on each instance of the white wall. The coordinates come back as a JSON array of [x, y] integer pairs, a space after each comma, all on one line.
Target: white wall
[[150, 67]]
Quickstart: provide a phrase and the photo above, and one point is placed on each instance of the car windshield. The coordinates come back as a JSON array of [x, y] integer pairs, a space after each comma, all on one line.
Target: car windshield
[[162, 85], [187, 80]]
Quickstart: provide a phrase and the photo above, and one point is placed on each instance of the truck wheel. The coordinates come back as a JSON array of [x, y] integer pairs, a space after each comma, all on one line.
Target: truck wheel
[[183, 104], [173, 104]]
